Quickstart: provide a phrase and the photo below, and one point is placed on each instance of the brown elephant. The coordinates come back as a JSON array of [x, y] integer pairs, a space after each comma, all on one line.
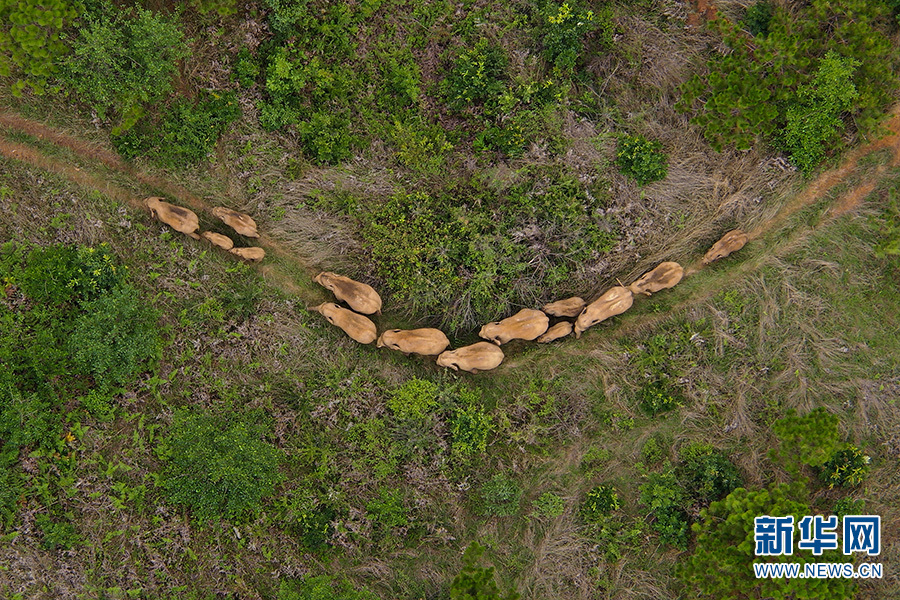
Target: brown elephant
[[217, 239], [570, 307], [526, 324], [731, 242], [360, 297], [427, 341], [663, 277], [178, 218], [240, 222], [356, 326], [252, 254], [480, 356], [614, 302], [560, 330]]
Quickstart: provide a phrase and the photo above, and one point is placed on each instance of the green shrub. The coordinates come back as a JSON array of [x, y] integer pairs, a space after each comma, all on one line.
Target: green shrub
[[11, 488], [599, 503], [219, 466], [305, 517], [810, 439], [124, 60], [61, 274], [474, 582], [666, 499], [245, 68], [56, 535], [30, 44], [323, 587], [28, 421], [757, 17], [847, 467], [706, 473], [564, 29], [115, 334], [813, 120], [470, 427], [658, 396], [547, 506], [414, 398], [185, 133], [326, 137], [508, 139], [849, 506], [654, 449], [99, 405], [476, 76], [499, 497], [641, 159], [387, 511], [223, 8]]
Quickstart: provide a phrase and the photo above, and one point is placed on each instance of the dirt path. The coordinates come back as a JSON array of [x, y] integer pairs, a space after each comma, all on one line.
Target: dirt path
[[822, 185]]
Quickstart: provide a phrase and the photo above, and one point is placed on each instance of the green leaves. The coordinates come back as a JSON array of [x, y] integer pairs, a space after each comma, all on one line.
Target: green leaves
[[474, 582], [123, 61], [641, 159], [29, 40], [220, 466]]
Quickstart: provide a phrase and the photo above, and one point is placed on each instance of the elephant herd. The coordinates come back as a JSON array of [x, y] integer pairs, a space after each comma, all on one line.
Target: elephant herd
[[527, 324], [186, 221]]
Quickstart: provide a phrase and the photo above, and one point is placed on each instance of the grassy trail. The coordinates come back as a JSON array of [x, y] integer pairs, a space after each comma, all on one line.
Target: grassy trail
[[292, 274]]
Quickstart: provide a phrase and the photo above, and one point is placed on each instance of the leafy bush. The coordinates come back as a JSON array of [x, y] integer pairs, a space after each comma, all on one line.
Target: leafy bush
[[811, 439], [221, 7], [115, 334], [641, 159], [245, 68], [706, 473], [499, 497], [470, 427], [60, 274], [657, 397], [387, 511], [185, 133], [326, 137], [28, 421], [98, 405], [474, 582], [414, 398], [305, 517], [548, 506], [564, 28], [599, 503], [813, 121], [476, 76], [122, 61], [219, 466], [654, 450], [757, 18], [665, 498], [30, 44], [56, 535], [847, 467], [849, 506], [320, 588]]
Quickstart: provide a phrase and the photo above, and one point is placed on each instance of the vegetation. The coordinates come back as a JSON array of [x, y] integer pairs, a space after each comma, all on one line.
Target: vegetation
[[474, 582], [641, 159], [218, 466], [719, 564]]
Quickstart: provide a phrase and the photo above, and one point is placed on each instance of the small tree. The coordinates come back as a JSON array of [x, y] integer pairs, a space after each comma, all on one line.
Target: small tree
[[721, 566], [641, 159], [813, 121], [474, 582], [809, 440], [30, 44], [121, 62]]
